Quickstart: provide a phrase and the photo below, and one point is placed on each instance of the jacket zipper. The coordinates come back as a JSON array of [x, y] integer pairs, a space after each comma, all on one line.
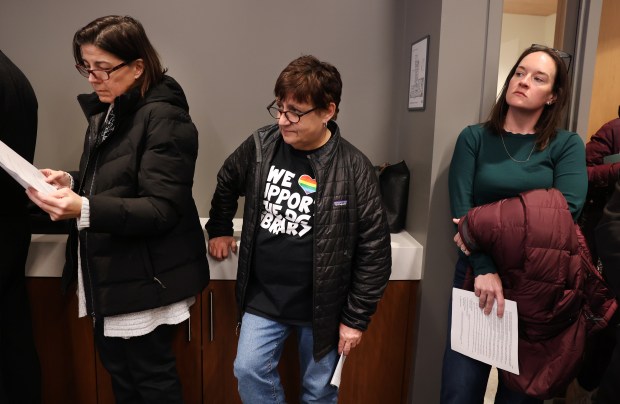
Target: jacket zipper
[[82, 178], [257, 182], [347, 247], [93, 144], [90, 279], [319, 195]]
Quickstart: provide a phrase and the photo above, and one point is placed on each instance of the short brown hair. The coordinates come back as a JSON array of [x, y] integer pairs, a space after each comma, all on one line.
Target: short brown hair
[[125, 38], [547, 125], [307, 79]]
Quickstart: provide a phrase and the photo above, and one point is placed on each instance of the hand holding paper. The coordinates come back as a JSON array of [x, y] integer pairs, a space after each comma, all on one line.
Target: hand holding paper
[[60, 204], [487, 338], [349, 339], [59, 179], [338, 372], [22, 171]]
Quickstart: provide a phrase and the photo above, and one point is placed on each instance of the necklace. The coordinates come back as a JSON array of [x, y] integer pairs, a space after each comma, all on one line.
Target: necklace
[[501, 136]]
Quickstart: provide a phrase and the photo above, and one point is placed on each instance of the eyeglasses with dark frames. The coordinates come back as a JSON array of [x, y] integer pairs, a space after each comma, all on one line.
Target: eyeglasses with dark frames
[[566, 57], [100, 74], [291, 116]]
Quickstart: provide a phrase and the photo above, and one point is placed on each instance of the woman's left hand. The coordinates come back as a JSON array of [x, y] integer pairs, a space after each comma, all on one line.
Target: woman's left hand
[[349, 339], [488, 288], [60, 204], [59, 179]]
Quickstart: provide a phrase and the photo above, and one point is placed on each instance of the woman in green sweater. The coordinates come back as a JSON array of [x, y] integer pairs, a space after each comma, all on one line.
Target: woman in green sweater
[[518, 149]]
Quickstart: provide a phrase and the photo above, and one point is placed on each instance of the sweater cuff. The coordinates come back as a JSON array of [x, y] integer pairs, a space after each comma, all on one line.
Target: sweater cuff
[[71, 181], [466, 236], [84, 219], [482, 264]]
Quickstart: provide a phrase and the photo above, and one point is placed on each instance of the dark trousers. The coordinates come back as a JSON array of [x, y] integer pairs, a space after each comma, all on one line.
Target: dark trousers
[[598, 352], [143, 369], [20, 372], [609, 389]]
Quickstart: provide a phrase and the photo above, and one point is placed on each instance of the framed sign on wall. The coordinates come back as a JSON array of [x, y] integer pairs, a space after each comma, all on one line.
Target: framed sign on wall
[[417, 74]]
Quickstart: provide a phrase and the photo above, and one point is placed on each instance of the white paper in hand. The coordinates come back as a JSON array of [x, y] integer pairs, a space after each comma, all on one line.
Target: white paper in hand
[[486, 338], [23, 172], [338, 372]]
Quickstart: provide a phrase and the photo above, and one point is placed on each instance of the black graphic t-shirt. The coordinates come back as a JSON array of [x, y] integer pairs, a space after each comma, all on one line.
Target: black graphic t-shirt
[[280, 286]]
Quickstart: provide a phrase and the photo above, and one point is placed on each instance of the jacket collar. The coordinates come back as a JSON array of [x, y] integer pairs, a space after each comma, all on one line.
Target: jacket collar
[[168, 90], [321, 156], [122, 104], [325, 153]]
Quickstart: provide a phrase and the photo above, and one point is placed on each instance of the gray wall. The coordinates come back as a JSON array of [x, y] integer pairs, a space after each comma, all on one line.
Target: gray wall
[[227, 56], [416, 128], [458, 60]]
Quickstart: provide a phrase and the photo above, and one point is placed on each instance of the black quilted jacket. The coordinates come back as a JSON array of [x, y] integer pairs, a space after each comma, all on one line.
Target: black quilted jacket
[[352, 255], [145, 247]]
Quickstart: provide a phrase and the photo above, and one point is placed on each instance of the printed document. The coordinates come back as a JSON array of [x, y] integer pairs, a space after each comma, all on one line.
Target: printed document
[[338, 372], [23, 172], [488, 339]]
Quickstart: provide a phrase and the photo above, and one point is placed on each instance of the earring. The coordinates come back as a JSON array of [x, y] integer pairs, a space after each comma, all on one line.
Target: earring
[[325, 124], [548, 102]]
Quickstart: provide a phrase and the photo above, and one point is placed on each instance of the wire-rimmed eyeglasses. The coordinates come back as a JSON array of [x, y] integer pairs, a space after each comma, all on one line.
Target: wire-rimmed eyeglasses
[[291, 116], [566, 57], [100, 74]]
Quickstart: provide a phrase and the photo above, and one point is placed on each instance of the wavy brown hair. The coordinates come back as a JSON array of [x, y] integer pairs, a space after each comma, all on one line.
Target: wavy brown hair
[[125, 38], [307, 79], [549, 121]]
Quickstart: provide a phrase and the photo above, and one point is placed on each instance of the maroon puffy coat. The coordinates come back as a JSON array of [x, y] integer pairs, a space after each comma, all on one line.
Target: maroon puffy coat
[[601, 178], [605, 142], [544, 267]]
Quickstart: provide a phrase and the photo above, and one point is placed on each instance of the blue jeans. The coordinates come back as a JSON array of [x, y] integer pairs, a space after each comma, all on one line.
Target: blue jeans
[[463, 379], [256, 365]]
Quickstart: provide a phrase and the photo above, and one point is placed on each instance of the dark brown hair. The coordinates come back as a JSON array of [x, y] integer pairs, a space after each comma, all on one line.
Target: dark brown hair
[[307, 79], [125, 38], [547, 125]]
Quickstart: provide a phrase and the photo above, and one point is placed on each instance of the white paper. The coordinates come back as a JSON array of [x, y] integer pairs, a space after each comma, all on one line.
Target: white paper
[[23, 172], [338, 372], [488, 339]]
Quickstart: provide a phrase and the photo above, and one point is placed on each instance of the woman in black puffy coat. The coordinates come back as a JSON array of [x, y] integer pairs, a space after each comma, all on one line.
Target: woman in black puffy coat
[[137, 248]]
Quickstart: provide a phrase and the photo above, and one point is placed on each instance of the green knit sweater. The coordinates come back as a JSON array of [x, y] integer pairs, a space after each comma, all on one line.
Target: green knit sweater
[[484, 170]]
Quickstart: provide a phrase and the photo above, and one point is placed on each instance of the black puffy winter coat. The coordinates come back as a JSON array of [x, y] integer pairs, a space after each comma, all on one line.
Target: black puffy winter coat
[[352, 254], [145, 247]]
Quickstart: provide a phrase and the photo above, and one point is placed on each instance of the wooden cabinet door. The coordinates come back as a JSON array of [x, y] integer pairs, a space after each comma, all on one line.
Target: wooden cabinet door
[[378, 370], [64, 343], [219, 343], [186, 346]]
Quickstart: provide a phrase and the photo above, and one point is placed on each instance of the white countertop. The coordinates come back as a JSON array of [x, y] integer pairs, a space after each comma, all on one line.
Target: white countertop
[[47, 256]]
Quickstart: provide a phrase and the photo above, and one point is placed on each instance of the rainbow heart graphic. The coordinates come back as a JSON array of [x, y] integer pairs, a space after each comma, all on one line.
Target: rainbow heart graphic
[[307, 183]]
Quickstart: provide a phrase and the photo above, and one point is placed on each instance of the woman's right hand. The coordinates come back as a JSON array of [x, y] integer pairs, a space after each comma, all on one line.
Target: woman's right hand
[[60, 204], [219, 247], [458, 240], [59, 179], [488, 288]]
